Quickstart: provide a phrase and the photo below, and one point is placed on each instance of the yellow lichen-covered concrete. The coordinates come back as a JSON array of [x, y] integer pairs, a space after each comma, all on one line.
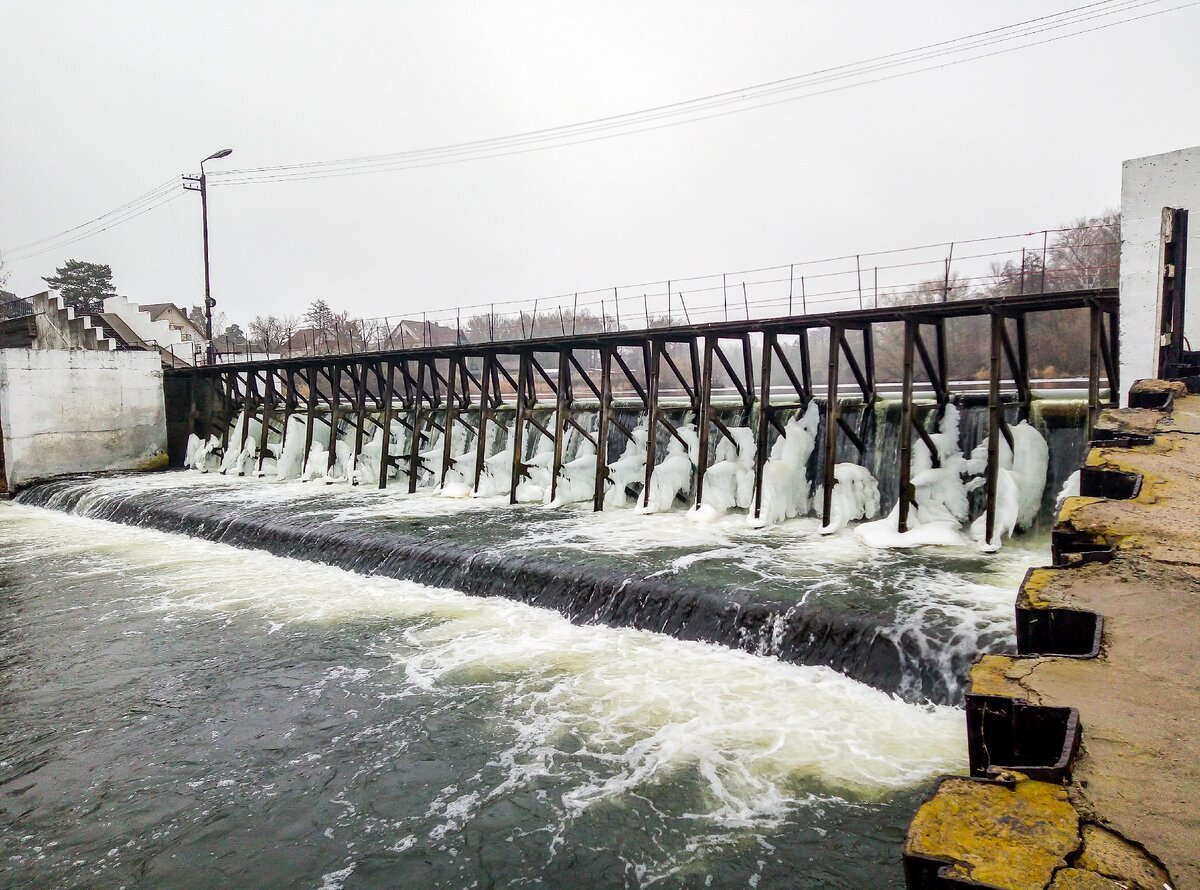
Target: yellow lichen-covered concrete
[[999, 835], [1134, 789]]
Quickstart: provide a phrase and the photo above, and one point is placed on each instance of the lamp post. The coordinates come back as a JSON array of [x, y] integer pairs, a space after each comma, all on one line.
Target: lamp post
[[208, 300]]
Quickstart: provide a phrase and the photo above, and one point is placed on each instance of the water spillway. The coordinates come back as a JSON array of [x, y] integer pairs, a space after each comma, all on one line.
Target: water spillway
[[905, 622], [181, 713]]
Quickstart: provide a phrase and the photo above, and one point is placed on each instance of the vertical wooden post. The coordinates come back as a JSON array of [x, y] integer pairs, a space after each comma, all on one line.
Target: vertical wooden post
[[833, 411], [335, 377], [360, 417], [1093, 406], [524, 385], [385, 456], [247, 413], [602, 427], [485, 414], [704, 416], [994, 420], [414, 446], [651, 416], [563, 405], [268, 399], [312, 415], [764, 419], [906, 494], [450, 417], [289, 407]]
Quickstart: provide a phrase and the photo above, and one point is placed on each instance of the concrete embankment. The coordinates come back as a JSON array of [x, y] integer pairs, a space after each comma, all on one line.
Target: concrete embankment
[[1085, 747]]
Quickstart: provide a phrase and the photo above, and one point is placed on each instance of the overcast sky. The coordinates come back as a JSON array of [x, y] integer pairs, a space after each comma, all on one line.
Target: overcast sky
[[104, 101]]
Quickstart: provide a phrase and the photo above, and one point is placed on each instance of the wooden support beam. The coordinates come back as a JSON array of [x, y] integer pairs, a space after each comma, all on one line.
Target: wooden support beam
[[416, 418], [764, 418], [1095, 330], [449, 419], [486, 413], [335, 378], [995, 421], [906, 493], [360, 417], [562, 414], [524, 386], [385, 456], [268, 407], [833, 416], [606, 355], [704, 416], [312, 415], [651, 416]]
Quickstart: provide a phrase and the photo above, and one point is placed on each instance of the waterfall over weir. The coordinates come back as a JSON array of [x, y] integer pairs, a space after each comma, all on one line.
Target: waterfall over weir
[[908, 622]]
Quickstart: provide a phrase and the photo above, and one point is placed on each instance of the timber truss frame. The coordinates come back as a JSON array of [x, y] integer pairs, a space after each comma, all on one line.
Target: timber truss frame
[[440, 390]]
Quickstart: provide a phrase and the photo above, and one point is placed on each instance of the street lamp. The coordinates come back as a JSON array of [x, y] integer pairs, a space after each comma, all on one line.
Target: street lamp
[[209, 302]]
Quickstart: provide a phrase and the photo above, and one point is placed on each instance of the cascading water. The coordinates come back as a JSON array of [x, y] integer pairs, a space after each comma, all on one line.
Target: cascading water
[[737, 589], [181, 712]]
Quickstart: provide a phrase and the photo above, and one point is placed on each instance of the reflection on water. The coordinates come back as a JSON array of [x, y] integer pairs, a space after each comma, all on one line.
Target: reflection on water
[[181, 713]]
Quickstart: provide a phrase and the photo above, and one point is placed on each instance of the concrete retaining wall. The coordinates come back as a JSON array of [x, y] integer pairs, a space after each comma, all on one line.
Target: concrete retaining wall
[[1147, 186], [76, 411]]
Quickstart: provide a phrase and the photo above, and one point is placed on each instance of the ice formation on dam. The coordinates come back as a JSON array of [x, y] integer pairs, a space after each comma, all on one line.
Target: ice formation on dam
[[940, 494], [576, 479], [855, 496], [673, 476], [785, 482], [626, 470], [1020, 483], [942, 478]]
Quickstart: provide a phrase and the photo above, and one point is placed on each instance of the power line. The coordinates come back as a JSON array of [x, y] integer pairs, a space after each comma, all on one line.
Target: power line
[[716, 105], [674, 114], [152, 199]]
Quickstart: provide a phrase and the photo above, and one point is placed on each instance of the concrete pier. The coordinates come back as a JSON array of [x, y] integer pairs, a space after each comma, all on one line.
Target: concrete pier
[[1085, 747]]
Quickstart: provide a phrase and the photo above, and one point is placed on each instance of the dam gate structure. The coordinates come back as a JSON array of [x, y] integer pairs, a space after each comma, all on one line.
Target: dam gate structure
[[753, 370]]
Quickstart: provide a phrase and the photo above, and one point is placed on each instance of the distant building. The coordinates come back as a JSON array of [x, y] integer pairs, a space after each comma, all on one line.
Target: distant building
[[407, 334], [176, 319]]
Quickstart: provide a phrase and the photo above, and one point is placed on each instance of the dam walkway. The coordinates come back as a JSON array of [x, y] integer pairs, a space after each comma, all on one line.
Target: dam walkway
[[1085, 747]]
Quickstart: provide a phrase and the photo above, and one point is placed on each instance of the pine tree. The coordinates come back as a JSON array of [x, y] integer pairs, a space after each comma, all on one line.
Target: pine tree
[[83, 285]]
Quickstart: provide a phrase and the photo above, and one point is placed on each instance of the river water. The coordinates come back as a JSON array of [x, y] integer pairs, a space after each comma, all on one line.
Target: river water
[[179, 712]]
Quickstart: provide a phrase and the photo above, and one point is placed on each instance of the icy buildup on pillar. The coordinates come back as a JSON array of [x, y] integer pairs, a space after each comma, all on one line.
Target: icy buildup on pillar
[[1020, 482], [673, 476], [785, 485], [855, 496], [729, 482], [940, 496], [577, 478], [626, 470]]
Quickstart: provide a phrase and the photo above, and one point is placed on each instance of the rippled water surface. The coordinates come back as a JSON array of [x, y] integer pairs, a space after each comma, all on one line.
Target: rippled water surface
[[181, 713]]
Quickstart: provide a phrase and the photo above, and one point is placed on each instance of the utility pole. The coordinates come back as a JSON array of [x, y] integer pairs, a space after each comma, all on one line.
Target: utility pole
[[202, 187]]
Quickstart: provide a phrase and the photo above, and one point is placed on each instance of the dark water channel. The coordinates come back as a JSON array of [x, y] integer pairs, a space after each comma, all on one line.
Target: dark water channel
[[180, 713]]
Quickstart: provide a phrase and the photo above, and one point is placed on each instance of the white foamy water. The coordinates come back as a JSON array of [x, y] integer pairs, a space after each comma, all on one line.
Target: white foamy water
[[638, 708]]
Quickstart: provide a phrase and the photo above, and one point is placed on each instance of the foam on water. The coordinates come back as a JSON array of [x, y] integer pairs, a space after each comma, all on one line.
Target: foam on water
[[638, 707]]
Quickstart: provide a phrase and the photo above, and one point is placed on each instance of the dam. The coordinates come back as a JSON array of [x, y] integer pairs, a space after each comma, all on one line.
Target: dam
[[813, 600], [408, 579]]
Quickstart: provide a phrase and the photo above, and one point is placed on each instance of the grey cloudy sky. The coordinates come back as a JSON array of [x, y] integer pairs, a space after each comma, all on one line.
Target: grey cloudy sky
[[103, 101]]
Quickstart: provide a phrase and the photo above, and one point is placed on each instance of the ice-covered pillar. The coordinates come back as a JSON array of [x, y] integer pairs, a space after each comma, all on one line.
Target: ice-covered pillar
[[1147, 186]]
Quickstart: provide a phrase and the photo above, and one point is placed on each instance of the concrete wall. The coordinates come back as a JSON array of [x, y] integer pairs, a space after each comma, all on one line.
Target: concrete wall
[[75, 411], [1147, 186]]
